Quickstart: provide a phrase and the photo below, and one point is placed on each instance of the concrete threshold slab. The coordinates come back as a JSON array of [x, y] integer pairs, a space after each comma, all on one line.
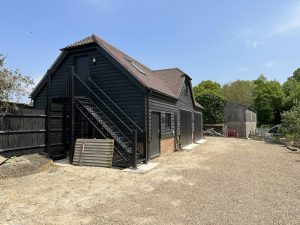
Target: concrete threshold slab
[[190, 147], [142, 168], [201, 141], [62, 162]]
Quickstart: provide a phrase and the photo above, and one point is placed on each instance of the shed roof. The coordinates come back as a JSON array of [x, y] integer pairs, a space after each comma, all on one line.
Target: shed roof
[[239, 104]]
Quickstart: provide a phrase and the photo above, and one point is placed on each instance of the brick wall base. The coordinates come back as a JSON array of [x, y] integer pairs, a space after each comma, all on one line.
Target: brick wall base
[[167, 146]]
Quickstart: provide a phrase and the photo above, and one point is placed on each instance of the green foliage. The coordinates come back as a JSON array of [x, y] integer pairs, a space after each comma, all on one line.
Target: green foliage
[[290, 123], [240, 91], [268, 97], [13, 85], [214, 108], [296, 75], [208, 86], [292, 90], [268, 100]]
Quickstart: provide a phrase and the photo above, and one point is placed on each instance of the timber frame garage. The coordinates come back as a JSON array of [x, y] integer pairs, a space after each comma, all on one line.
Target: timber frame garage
[[94, 90]]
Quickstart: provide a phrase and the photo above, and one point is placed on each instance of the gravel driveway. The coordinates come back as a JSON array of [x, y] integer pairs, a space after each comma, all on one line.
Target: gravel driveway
[[223, 181]]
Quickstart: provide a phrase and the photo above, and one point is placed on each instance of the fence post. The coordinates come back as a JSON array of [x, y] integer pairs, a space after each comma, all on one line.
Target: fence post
[[49, 103], [72, 116], [134, 149]]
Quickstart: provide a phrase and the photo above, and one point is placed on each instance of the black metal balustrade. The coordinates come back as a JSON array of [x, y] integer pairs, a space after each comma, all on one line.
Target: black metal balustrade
[[96, 111]]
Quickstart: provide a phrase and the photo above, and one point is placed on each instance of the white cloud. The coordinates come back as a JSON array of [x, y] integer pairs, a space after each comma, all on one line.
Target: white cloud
[[245, 33], [269, 64], [289, 23], [254, 44]]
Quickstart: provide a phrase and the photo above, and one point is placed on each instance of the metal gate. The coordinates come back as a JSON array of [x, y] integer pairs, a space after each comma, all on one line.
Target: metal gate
[[185, 128], [154, 147], [198, 126]]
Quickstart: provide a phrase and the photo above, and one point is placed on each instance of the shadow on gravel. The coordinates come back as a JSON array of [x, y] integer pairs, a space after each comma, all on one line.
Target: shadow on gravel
[[293, 152]]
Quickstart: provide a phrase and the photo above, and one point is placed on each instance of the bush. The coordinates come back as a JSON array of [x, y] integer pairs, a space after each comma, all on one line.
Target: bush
[[290, 123]]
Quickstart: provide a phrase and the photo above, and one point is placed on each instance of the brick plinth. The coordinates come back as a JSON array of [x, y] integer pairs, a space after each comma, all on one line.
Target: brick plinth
[[167, 146]]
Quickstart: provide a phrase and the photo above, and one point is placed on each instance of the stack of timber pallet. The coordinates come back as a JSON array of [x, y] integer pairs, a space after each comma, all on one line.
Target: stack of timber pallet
[[94, 152]]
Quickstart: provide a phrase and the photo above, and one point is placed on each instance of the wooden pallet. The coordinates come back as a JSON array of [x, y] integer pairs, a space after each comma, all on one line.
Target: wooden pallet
[[93, 152]]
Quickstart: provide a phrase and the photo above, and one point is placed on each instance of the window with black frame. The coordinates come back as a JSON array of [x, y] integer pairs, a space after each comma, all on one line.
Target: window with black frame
[[168, 121]]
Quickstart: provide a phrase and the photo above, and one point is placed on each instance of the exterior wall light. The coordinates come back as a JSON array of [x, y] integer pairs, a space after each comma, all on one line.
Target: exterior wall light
[[94, 60]]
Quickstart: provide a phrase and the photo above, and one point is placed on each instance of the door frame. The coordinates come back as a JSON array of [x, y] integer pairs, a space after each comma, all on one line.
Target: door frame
[[181, 113], [159, 135], [197, 128], [75, 58]]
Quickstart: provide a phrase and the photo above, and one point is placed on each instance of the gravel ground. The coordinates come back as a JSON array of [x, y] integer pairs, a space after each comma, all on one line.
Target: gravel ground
[[224, 181], [23, 165]]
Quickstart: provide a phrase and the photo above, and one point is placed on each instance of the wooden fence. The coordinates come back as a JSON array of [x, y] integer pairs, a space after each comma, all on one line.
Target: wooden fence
[[22, 131]]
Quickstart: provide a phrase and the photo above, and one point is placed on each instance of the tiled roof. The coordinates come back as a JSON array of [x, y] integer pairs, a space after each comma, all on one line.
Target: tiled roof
[[167, 81]]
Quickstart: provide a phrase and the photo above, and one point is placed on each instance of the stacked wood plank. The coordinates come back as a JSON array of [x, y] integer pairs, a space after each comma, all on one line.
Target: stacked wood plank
[[93, 152]]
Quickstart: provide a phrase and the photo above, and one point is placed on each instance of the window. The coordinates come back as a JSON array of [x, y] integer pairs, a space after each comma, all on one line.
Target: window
[[168, 121], [135, 66]]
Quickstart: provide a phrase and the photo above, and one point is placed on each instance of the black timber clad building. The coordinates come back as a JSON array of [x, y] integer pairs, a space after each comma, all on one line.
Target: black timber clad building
[[94, 90]]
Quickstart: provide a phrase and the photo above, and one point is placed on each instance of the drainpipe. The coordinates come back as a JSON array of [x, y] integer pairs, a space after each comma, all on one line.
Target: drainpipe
[[147, 131]]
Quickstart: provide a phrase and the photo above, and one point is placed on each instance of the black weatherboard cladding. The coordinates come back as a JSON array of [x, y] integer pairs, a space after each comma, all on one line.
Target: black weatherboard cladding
[[169, 90], [159, 103], [116, 85]]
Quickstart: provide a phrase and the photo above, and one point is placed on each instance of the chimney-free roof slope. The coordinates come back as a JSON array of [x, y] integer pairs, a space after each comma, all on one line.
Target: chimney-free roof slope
[[168, 81]]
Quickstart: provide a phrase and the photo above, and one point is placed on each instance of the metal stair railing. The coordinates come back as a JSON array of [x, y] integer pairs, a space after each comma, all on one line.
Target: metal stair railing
[[103, 123], [99, 99], [115, 105], [97, 128], [133, 151]]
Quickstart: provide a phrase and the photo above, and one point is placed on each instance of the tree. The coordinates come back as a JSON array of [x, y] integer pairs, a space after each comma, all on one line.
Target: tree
[[268, 100], [296, 75], [208, 86], [290, 124], [240, 91], [292, 90], [213, 108], [13, 85]]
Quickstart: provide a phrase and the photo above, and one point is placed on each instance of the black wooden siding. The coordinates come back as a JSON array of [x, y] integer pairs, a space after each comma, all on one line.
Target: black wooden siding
[[119, 88], [158, 103], [22, 132], [115, 84], [122, 90]]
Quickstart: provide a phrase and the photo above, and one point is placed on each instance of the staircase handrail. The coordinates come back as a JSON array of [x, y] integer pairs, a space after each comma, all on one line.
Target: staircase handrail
[[115, 104], [109, 121], [91, 91]]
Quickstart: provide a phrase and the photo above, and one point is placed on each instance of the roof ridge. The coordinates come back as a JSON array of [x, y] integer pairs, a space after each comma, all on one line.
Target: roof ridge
[[146, 76]]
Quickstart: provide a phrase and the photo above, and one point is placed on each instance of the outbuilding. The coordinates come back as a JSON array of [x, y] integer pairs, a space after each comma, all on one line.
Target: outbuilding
[[239, 118], [94, 90]]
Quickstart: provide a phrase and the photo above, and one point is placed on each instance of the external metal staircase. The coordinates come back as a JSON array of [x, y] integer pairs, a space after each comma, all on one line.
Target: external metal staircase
[[104, 126], [100, 115]]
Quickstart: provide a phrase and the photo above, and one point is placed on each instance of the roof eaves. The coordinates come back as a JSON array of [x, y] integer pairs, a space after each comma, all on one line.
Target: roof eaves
[[39, 85], [124, 66], [159, 92]]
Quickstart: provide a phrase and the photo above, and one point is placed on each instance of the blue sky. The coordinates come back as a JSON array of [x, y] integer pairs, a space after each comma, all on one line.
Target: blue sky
[[208, 39]]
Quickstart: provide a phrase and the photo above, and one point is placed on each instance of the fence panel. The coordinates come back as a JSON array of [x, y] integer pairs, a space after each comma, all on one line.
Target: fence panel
[[22, 131]]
